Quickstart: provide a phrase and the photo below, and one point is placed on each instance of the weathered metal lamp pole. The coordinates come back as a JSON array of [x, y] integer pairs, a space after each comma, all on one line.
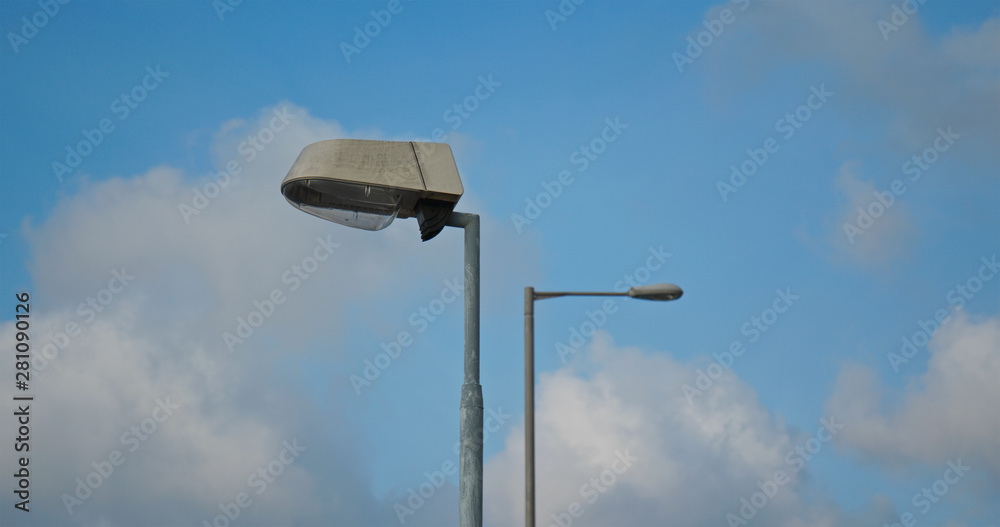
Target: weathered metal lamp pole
[[367, 184]]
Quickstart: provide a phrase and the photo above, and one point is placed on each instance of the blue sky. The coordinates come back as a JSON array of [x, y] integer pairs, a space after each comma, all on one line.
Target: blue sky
[[827, 111]]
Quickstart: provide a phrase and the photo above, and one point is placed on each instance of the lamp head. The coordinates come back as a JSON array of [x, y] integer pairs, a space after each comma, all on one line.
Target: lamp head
[[366, 184], [662, 292]]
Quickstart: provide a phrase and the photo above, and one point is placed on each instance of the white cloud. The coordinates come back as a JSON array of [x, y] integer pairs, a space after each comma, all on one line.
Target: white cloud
[[881, 231], [161, 336], [916, 81], [976, 47], [693, 462], [948, 412]]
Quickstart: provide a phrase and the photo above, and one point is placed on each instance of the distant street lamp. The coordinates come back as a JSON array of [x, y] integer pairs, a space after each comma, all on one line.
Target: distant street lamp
[[365, 185], [661, 292]]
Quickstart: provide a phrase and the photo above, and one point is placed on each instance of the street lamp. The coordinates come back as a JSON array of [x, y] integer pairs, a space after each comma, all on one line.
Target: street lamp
[[366, 184], [660, 292]]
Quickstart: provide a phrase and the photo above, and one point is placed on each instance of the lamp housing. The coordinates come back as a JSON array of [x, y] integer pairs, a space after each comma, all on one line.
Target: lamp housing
[[661, 292], [366, 184]]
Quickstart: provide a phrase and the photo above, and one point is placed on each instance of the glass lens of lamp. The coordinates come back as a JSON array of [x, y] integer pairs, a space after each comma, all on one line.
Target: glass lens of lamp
[[350, 204]]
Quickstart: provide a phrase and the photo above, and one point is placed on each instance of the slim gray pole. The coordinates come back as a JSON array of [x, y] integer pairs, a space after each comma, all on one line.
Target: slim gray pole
[[530, 295], [529, 406], [470, 479]]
